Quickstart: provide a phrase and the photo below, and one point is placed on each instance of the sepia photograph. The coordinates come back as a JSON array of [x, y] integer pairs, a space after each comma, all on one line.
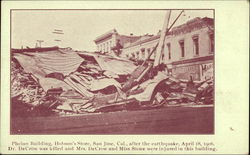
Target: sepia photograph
[[112, 71]]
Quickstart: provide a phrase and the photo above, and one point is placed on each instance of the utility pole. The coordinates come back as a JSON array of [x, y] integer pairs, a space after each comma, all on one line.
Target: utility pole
[[40, 42], [164, 31], [160, 47]]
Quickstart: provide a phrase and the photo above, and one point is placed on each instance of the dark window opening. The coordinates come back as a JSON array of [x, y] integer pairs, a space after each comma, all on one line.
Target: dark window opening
[[196, 45], [137, 54], [211, 37], [163, 55], [148, 51], [143, 53], [182, 48], [169, 51]]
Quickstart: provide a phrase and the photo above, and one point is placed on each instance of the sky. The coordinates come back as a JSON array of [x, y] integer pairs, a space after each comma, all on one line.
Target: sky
[[81, 27]]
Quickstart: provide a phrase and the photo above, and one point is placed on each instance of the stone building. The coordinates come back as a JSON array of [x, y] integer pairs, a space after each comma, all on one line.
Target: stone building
[[189, 49], [105, 42]]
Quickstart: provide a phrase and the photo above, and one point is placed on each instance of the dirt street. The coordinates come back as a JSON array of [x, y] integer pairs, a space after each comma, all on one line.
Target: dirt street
[[169, 120]]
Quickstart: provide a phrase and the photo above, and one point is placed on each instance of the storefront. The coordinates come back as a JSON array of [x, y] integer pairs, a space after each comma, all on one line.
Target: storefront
[[199, 69]]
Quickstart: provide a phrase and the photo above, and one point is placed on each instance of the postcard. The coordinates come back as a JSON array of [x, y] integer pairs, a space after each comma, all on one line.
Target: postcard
[[143, 77]]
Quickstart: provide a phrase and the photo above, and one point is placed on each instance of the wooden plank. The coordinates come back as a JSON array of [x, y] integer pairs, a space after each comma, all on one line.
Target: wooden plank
[[81, 88], [69, 82], [82, 82]]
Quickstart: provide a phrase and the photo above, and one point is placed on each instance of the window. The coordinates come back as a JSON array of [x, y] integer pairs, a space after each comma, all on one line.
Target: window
[[148, 50], [182, 48], [169, 50], [196, 45], [137, 54], [142, 53], [211, 37], [110, 44]]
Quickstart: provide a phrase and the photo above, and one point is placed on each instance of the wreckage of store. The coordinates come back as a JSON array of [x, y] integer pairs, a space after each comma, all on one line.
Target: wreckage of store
[[62, 81]]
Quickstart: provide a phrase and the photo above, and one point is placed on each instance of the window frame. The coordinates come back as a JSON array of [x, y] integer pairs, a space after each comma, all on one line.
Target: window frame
[[211, 42], [196, 45], [182, 48]]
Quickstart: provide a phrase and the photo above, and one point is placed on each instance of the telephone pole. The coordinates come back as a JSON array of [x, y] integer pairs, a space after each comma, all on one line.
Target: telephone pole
[[40, 42]]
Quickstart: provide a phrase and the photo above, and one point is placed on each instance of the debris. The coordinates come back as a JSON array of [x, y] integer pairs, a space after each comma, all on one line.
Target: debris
[[55, 91], [56, 75], [66, 82]]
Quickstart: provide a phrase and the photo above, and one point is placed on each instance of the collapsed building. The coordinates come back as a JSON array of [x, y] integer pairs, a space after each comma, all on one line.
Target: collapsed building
[[62, 81]]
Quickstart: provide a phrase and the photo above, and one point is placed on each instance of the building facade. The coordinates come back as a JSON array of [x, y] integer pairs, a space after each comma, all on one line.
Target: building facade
[[140, 49], [108, 40], [189, 49]]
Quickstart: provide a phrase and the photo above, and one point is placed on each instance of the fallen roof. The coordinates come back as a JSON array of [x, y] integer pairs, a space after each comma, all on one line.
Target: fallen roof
[[112, 64], [61, 61], [42, 64], [66, 62]]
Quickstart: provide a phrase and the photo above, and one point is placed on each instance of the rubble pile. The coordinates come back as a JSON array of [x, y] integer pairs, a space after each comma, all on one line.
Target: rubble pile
[[67, 82], [24, 86], [190, 93], [28, 97]]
